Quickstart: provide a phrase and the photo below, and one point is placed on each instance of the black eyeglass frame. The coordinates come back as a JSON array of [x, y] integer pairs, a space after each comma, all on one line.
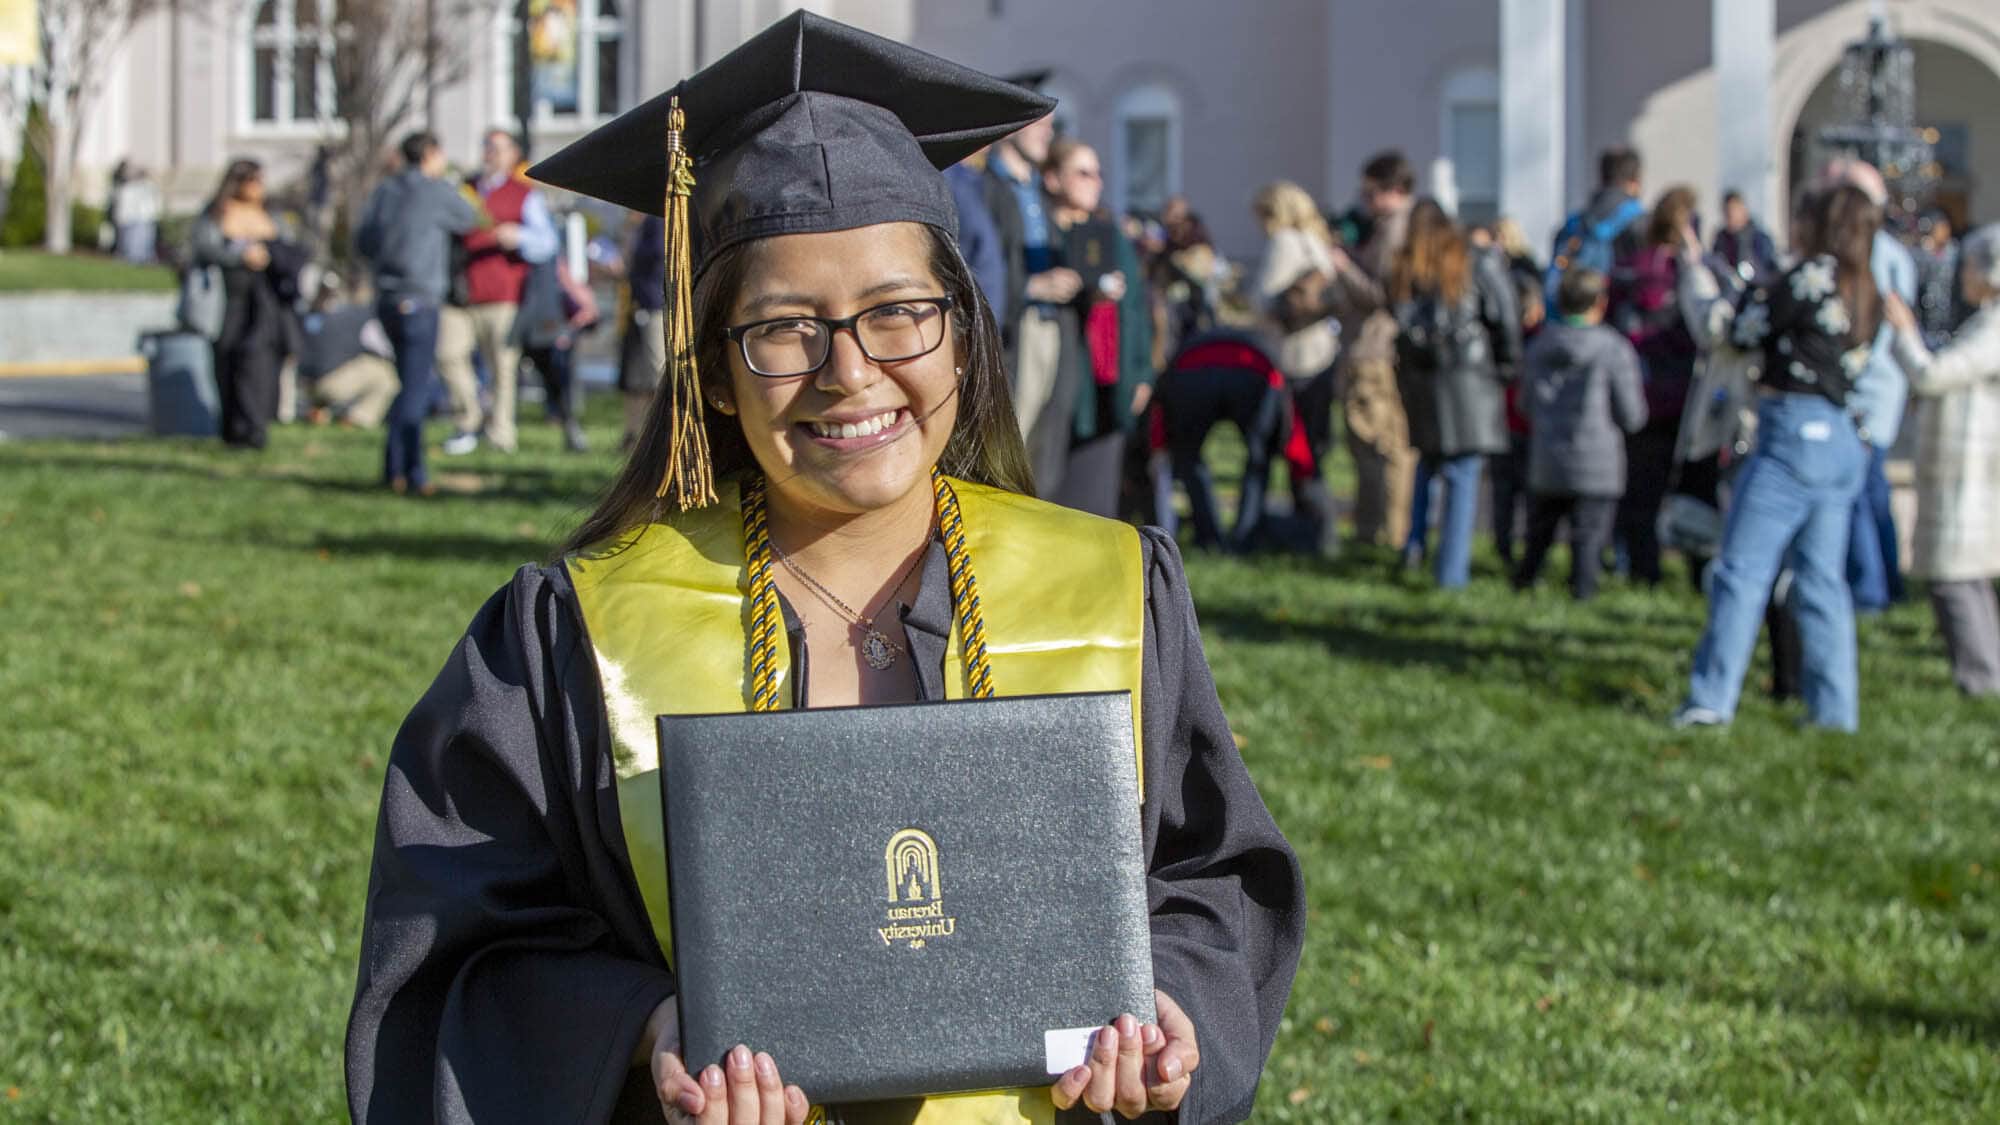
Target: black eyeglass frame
[[944, 304]]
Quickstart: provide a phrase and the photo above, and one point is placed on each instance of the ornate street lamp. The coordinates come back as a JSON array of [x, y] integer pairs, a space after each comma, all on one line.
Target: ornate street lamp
[[1876, 99]]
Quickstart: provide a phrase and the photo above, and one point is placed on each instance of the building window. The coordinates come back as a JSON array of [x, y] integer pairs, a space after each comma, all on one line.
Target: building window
[[1467, 177], [1146, 149], [572, 63], [292, 46]]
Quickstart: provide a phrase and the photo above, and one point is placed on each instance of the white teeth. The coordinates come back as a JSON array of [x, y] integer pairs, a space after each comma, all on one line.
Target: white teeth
[[867, 427]]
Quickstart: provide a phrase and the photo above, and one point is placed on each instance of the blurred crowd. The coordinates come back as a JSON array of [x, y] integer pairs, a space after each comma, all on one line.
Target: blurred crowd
[[1636, 389]]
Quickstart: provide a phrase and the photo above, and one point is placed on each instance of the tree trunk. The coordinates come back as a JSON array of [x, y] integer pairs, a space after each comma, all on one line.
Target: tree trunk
[[58, 164]]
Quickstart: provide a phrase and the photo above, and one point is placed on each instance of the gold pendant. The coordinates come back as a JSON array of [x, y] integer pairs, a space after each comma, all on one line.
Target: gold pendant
[[877, 651]]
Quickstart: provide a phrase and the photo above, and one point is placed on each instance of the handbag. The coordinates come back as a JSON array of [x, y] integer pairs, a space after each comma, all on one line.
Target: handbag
[[202, 302]]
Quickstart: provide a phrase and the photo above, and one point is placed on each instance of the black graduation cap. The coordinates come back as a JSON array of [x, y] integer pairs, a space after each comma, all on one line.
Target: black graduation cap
[[810, 126]]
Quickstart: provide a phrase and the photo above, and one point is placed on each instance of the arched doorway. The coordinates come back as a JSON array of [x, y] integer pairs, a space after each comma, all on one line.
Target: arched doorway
[[1955, 95]]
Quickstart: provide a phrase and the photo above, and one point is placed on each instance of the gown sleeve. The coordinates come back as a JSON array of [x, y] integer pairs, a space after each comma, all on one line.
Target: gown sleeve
[[1226, 895], [506, 967]]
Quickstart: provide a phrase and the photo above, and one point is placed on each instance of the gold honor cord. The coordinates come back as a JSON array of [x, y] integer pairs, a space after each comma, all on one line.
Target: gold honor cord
[[766, 618], [690, 475], [964, 590]]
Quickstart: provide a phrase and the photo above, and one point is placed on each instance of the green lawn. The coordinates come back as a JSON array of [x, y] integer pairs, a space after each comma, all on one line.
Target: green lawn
[[29, 270], [1529, 900]]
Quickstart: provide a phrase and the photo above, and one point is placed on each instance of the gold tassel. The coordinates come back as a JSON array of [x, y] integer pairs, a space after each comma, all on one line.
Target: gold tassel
[[690, 473]]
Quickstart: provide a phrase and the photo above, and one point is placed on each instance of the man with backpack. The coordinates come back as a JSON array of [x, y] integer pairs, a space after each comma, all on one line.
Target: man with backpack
[[1605, 231]]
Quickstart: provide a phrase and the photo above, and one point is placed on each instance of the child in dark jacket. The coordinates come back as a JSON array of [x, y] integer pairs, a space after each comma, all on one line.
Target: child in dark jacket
[[1583, 395]]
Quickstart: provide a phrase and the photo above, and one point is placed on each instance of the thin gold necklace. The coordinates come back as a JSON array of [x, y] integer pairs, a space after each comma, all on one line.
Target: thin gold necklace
[[876, 648]]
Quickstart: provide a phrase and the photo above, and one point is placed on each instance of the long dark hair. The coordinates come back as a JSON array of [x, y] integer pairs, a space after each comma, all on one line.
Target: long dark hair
[[1675, 207], [985, 443], [240, 172], [1842, 225], [1433, 259]]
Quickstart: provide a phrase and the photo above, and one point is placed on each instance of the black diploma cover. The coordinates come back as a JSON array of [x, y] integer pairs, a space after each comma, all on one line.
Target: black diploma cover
[[906, 900]]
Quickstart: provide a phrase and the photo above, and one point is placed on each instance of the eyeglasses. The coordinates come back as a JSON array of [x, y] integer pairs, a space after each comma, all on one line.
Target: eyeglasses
[[790, 346]]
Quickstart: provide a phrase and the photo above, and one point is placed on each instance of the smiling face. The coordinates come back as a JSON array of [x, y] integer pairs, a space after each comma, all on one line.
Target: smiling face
[[857, 435]]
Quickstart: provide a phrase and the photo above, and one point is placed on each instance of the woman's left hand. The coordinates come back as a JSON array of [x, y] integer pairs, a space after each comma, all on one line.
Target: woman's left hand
[[1112, 286], [1898, 314], [1135, 1068]]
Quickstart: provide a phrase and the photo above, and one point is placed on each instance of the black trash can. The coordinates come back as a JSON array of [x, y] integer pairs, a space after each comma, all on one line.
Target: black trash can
[[180, 383]]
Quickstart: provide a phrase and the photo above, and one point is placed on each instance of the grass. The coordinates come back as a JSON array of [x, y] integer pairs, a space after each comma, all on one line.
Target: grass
[[1529, 900], [27, 271]]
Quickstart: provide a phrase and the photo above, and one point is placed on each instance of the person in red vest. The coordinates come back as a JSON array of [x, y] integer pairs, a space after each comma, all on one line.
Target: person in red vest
[[498, 259]]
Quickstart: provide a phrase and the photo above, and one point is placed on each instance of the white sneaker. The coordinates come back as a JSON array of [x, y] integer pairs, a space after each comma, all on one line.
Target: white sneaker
[[1688, 715], [460, 444]]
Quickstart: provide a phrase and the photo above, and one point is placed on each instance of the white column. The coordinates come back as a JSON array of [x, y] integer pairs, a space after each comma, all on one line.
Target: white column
[[1745, 37], [1533, 121], [1579, 163]]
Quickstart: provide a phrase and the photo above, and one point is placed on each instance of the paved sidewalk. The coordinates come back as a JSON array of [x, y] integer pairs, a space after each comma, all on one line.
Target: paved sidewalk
[[73, 406]]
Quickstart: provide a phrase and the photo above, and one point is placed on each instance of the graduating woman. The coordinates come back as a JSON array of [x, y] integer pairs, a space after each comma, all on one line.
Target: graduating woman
[[828, 507]]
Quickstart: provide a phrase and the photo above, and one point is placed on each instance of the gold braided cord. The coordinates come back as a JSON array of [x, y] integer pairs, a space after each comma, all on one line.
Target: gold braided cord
[[766, 619], [689, 478], [964, 591]]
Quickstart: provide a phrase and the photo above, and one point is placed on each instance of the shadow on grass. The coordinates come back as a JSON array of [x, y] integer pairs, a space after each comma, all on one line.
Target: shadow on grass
[[530, 484], [1596, 666], [1893, 1015], [437, 547]]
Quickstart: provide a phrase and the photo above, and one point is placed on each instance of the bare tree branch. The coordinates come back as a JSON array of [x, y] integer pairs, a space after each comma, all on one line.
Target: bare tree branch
[[391, 54], [78, 39]]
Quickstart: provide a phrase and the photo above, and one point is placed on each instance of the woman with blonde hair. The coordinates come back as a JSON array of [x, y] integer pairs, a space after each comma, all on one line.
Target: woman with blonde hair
[[1292, 300]]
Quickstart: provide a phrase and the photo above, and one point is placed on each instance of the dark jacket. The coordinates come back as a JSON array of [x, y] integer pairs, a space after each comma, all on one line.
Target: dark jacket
[[1646, 307], [1582, 398], [405, 235], [1449, 363], [1747, 247], [1006, 213], [979, 237]]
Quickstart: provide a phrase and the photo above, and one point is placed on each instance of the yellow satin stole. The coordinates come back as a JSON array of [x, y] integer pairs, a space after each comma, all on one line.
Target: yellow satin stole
[[1063, 594]]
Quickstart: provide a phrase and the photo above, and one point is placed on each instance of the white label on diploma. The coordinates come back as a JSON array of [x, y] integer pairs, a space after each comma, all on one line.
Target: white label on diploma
[[1067, 1048]]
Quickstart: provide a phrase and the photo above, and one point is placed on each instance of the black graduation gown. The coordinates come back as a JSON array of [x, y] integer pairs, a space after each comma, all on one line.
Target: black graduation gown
[[507, 964]]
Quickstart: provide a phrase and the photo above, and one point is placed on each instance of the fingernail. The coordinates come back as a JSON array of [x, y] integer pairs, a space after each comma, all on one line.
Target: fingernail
[[795, 1095], [690, 1103], [739, 1057], [1149, 1034], [1079, 1076], [711, 1075], [1170, 1069], [765, 1067], [1107, 1040], [1127, 1026]]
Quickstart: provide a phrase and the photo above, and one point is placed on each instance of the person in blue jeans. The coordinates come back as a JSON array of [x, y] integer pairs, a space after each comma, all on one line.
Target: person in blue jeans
[[1874, 565], [1793, 500], [1458, 328], [412, 327], [405, 236]]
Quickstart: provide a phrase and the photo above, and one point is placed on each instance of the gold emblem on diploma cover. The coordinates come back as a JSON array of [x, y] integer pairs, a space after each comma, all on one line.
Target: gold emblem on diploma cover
[[916, 899]]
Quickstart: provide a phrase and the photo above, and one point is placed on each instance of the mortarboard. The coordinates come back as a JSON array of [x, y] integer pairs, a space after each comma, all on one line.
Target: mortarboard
[[810, 126]]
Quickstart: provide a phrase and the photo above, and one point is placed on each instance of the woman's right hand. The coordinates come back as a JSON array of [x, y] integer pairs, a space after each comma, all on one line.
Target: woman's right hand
[[747, 1091]]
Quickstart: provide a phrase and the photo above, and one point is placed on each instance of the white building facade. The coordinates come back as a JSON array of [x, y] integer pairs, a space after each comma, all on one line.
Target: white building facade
[[1503, 105]]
